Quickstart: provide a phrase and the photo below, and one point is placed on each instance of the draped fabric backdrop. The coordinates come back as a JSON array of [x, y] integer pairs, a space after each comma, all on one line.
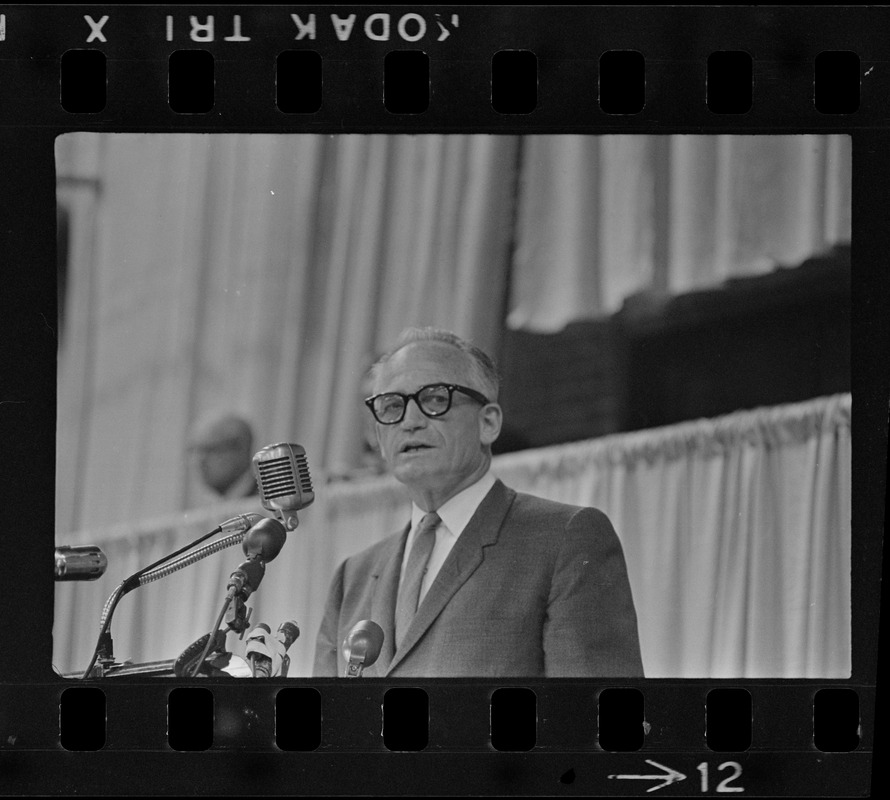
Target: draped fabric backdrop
[[605, 217], [736, 530], [263, 273]]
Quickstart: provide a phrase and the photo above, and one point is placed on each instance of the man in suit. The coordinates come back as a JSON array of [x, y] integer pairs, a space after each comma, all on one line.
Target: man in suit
[[485, 581]]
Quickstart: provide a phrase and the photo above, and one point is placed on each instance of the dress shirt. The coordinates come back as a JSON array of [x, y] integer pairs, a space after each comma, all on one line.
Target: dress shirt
[[455, 514]]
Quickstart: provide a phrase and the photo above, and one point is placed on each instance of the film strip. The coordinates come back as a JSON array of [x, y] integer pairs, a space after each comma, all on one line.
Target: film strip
[[420, 70]]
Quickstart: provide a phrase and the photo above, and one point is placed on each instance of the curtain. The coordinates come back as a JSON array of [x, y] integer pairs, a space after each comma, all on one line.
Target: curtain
[[262, 274], [604, 217], [736, 531], [259, 274]]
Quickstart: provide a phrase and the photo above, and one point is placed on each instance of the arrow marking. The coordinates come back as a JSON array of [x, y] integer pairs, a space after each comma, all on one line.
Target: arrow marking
[[667, 777]]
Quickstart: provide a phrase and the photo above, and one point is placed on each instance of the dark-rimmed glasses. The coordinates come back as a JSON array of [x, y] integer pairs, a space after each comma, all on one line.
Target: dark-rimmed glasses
[[433, 400]]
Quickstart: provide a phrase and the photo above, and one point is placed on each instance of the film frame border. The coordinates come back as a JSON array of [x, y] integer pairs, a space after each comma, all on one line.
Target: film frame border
[[787, 41]]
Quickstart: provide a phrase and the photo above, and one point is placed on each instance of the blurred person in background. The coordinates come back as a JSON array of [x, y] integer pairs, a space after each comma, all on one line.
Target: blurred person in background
[[222, 447]]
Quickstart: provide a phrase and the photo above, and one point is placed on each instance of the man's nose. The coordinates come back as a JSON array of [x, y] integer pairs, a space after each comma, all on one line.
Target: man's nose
[[414, 417]]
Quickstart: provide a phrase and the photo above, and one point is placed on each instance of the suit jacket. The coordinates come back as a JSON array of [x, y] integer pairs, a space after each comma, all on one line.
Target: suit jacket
[[532, 588]]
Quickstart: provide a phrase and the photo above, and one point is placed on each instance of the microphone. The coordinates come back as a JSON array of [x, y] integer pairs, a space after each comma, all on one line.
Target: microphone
[[267, 654], [245, 580], [264, 540], [361, 647], [261, 544], [282, 475], [231, 527], [83, 563]]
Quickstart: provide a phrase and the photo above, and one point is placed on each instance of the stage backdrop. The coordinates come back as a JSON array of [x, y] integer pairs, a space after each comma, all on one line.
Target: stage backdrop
[[263, 273], [737, 533], [604, 217]]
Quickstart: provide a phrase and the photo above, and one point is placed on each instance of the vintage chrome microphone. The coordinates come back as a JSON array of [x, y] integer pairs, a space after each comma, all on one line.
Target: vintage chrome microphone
[[282, 475]]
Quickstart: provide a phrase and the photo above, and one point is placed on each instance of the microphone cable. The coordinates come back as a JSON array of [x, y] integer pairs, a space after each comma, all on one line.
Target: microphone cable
[[211, 637]]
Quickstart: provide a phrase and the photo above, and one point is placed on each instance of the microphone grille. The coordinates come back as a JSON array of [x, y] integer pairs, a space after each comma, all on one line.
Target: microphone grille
[[276, 478], [282, 471], [303, 472]]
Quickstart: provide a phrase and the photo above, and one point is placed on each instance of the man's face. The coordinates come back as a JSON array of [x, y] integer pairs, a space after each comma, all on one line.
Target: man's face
[[222, 461], [436, 456]]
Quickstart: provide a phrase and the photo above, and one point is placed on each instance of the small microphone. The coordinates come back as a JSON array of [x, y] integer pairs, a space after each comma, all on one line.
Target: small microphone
[[262, 543], [361, 647], [268, 654], [288, 633], [264, 540], [282, 475], [82, 563], [245, 580]]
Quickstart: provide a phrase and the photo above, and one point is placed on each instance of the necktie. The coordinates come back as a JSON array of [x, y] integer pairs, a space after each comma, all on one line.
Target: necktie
[[406, 606]]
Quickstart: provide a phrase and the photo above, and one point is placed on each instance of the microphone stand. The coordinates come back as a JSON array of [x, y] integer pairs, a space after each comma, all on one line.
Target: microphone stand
[[261, 544], [104, 650], [239, 588]]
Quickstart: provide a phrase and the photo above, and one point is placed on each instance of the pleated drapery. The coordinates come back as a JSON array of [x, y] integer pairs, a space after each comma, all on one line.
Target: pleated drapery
[[605, 217], [736, 530], [262, 274]]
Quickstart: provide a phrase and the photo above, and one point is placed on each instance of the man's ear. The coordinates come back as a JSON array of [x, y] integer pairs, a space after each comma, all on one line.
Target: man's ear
[[490, 420]]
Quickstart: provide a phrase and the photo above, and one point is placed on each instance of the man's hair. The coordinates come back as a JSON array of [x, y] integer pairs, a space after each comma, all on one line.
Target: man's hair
[[482, 367], [222, 425]]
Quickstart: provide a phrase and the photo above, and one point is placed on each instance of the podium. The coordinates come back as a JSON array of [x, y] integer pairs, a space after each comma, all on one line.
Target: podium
[[148, 669], [221, 665]]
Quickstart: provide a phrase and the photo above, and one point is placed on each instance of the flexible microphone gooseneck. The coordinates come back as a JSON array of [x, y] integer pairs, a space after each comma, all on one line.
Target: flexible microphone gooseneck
[[236, 528], [285, 486]]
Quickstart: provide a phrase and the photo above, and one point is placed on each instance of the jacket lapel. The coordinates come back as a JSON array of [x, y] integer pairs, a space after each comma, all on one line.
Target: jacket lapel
[[383, 603], [482, 530]]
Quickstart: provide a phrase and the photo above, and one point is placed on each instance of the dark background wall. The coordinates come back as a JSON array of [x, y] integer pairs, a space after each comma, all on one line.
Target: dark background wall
[[761, 341]]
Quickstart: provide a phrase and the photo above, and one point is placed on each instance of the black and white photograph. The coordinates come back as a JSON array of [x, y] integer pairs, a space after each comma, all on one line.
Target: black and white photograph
[[454, 405]]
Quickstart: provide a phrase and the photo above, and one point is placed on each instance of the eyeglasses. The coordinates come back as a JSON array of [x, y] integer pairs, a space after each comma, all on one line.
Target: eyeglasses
[[433, 400]]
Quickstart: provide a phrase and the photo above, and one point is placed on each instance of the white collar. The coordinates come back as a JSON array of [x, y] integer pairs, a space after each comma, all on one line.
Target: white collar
[[457, 512]]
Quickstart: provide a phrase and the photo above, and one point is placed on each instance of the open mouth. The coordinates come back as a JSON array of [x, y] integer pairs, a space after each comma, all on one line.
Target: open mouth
[[413, 448]]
